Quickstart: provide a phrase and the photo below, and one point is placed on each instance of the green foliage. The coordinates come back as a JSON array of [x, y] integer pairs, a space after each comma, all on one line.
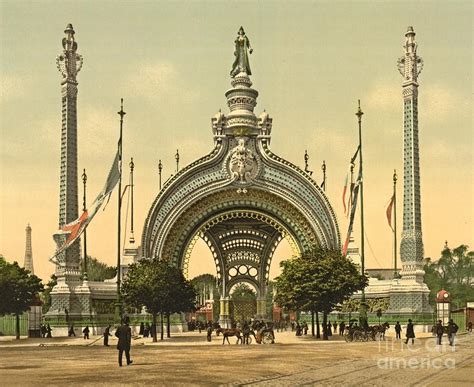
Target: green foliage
[[243, 293], [158, 286], [98, 271], [318, 280], [18, 288], [453, 272], [46, 295], [205, 282]]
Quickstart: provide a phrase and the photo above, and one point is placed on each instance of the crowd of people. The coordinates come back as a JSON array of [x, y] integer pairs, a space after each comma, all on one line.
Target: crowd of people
[[301, 328], [124, 333]]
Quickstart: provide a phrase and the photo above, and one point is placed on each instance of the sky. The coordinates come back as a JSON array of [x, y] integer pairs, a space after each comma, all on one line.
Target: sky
[[170, 61]]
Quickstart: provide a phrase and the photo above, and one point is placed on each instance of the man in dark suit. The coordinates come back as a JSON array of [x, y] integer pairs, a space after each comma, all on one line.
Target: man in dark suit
[[124, 334], [106, 335], [410, 332]]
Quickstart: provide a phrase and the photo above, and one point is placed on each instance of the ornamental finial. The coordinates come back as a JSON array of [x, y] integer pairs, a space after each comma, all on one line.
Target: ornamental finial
[[69, 62], [410, 65], [241, 62]]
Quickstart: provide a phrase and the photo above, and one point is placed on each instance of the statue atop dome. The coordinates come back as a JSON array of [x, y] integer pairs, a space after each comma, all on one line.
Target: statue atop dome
[[241, 62]]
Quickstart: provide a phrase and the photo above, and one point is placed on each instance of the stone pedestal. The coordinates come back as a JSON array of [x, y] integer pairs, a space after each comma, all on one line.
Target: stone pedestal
[[408, 296]]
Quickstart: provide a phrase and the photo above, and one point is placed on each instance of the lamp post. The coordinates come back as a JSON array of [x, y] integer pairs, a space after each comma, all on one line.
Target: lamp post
[[363, 305], [118, 304]]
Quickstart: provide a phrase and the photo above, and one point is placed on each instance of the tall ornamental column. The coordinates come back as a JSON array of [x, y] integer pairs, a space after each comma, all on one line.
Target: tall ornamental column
[[69, 64], [66, 298], [411, 246]]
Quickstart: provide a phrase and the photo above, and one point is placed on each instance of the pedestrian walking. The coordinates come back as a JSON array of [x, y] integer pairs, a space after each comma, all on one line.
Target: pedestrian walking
[[146, 331], [342, 327], [209, 333], [329, 329], [298, 329], [398, 330], [124, 334], [71, 332], [142, 328], [452, 329], [439, 330], [106, 335], [469, 327], [410, 332], [305, 328], [334, 325], [49, 332], [86, 331]]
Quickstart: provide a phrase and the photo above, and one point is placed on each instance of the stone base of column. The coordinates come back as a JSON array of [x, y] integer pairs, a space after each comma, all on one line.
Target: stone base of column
[[409, 297]]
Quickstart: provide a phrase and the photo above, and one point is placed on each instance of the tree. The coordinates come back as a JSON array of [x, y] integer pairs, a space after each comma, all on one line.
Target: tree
[[454, 272], [203, 283], [98, 271], [46, 294], [18, 288], [318, 281], [158, 286]]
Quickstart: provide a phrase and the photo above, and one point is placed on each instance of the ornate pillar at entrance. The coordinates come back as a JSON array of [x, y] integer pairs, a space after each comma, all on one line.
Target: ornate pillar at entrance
[[410, 294], [261, 307], [64, 298], [224, 314]]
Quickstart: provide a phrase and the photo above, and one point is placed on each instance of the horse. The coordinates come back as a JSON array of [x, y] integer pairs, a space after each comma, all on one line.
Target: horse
[[244, 339], [379, 330], [226, 333]]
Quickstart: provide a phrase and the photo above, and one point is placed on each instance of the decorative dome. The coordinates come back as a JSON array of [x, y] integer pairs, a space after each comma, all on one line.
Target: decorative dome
[[443, 296]]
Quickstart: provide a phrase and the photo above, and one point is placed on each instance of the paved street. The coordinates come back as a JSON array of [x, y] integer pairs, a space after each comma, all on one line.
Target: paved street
[[189, 359]]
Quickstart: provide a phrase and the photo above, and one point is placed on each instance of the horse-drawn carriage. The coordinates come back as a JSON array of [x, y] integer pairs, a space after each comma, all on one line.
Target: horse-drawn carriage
[[264, 335], [374, 333]]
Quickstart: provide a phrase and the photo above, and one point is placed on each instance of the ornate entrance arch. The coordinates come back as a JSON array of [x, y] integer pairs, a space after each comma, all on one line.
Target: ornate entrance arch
[[240, 198]]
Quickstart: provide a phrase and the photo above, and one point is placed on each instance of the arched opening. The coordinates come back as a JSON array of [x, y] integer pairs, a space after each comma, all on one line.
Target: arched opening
[[243, 302], [238, 247], [283, 252]]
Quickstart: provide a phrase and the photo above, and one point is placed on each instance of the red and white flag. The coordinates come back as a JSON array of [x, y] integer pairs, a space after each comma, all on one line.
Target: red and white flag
[[389, 211], [344, 193], [74, 229]]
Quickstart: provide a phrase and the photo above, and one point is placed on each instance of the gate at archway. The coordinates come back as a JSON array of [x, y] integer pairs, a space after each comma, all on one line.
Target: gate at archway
[[241, 199]]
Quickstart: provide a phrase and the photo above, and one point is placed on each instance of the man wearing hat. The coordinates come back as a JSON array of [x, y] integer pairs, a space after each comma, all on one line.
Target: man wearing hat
[[124, 334]]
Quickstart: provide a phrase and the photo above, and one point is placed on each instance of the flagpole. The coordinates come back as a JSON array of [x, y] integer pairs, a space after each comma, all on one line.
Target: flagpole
[[160, 168], [132, 167], [363, 306], [395, 223], [176, 156], [350, 189], [323, 167], [118, 305], [84, 208]]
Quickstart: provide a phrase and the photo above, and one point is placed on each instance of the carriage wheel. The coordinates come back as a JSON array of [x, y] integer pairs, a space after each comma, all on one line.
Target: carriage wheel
[[348, 337], [267, 338]]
